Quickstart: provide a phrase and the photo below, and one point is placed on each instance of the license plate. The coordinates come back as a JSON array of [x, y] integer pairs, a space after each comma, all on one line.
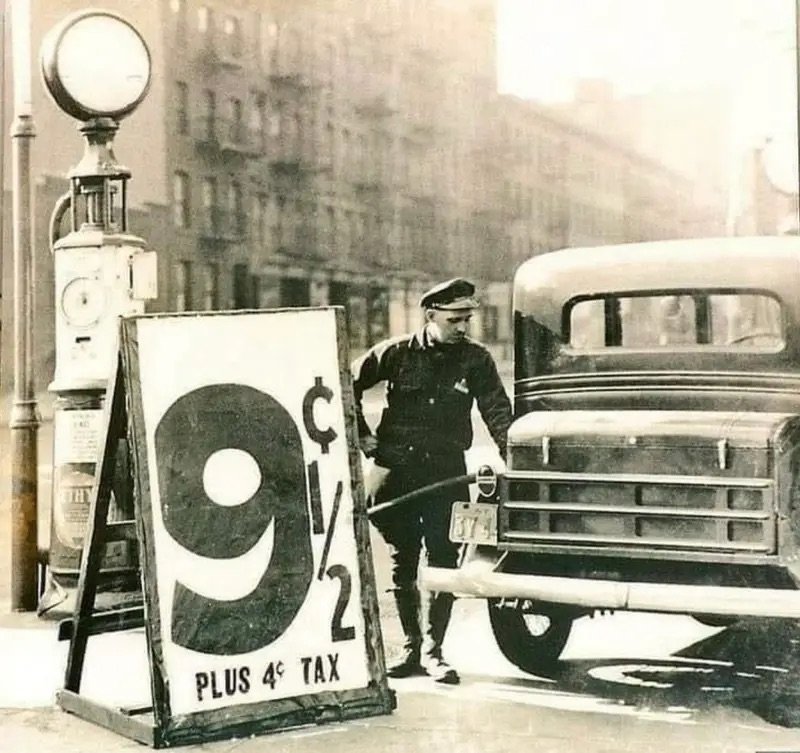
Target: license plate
[[473, 523]]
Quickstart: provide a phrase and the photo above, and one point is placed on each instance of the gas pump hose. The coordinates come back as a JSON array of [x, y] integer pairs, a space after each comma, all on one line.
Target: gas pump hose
[[468, 478], [63, 204]]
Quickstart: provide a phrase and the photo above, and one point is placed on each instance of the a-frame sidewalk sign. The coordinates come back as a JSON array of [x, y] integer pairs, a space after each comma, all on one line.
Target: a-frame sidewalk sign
[[259, 602]]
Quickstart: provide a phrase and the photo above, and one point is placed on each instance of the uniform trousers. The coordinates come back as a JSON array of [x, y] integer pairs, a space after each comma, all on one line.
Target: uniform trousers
[[425, 520]]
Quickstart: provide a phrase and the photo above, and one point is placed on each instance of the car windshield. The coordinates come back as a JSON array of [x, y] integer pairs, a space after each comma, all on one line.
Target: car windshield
[[678, 319]]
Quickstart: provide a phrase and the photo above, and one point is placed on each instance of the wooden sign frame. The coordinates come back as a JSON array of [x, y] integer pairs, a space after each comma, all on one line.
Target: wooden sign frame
[[156, 724]]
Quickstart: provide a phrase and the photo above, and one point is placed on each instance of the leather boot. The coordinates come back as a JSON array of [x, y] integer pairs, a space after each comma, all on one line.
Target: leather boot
[[407, 601], [439, 609]]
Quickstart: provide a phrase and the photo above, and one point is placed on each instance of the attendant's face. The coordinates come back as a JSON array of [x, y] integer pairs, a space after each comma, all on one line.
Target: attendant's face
[[448, 327]]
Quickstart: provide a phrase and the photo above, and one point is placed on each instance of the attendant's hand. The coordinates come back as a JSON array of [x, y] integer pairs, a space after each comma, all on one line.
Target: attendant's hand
[[369, 445], [373, 480]]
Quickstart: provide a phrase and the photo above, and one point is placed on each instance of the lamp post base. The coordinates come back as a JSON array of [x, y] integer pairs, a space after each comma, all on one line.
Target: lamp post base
[[24, 582]]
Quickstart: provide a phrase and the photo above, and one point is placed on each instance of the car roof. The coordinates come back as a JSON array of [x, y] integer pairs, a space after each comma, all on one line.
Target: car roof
[[544, 283]]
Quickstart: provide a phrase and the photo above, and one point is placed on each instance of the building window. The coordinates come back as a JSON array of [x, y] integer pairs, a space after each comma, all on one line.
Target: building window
[[275, 125], [288, 136], [183, 286], [272, 218], [330, 140], [491, 324], [204, 19], [181, 205], [210, 287], [280, 221], [182, 106], [345, 148], [378, 314], [232, 27], [363, 158], [235, 120], [260, 210], [297, 134], [330, 228], [294, 291], [241, 287], [298, 225], [236, 207], [209, 115], [258, 118], [263, 40], [273, 35], [210, 205], [346, 246], [357, 231]]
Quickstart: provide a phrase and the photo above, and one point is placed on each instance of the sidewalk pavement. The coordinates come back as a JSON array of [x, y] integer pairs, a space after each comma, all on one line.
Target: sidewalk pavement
[[478, 716], [116, 674], [417, 725]]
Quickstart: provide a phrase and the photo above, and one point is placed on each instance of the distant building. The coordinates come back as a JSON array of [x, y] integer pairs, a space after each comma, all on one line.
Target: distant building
[[689, 132]]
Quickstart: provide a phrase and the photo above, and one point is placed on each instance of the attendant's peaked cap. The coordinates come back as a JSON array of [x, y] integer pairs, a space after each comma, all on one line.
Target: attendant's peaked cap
[[451, 295]]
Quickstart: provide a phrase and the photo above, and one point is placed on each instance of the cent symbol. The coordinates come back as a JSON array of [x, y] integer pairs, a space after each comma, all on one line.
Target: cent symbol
[[196, 426], [323, 437]]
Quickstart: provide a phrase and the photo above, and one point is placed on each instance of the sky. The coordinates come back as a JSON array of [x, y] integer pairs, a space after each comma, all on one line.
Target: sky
[[641, 45], [544, 44]]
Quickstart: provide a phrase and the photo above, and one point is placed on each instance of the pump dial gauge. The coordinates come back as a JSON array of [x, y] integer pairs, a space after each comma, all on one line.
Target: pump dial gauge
[[83, 301]]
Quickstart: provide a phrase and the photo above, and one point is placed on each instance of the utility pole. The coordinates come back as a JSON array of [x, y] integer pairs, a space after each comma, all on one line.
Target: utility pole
[[797, 92], [24, 423], [2, 148]]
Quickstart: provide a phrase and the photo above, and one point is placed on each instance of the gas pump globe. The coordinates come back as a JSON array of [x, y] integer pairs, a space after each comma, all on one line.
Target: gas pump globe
[[96, 67]]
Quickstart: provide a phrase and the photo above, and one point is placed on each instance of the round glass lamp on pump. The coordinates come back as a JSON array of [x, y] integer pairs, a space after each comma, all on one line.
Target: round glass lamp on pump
[[96, 67]]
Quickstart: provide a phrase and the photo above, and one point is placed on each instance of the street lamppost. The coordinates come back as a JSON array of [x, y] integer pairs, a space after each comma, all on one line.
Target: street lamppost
[[96, 67], [24, 420]]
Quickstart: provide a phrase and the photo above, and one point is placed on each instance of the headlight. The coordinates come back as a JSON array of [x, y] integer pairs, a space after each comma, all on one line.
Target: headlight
[[486, 479]]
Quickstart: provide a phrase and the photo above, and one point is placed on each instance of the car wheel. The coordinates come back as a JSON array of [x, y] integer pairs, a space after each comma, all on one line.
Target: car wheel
[[531, 636]]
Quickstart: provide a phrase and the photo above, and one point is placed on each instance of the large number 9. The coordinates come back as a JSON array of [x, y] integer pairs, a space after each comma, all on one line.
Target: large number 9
[[198, 424]]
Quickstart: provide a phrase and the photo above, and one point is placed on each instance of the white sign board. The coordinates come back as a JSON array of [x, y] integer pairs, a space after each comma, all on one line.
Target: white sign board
[[256, 555]]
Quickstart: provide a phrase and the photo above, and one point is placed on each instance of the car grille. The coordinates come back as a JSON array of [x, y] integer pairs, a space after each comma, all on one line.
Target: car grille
[[652, 511]]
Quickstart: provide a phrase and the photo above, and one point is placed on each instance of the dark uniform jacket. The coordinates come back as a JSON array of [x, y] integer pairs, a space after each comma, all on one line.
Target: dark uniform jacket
[[429, 396]]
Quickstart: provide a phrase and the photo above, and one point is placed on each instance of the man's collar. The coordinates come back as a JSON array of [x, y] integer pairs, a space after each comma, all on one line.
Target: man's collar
[[421, 340]]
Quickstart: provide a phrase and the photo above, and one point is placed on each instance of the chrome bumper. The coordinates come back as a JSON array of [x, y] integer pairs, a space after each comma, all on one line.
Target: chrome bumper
[[478, 579]]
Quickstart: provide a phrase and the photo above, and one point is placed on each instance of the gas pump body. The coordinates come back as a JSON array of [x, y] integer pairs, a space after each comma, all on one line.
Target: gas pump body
[[94, 273], [102, 272]]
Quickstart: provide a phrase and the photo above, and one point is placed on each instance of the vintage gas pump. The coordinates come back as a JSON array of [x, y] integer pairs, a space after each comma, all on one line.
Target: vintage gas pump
[[102, 272]]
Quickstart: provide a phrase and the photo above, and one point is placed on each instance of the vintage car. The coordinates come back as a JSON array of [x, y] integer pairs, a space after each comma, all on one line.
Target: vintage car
[[654, 458]]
